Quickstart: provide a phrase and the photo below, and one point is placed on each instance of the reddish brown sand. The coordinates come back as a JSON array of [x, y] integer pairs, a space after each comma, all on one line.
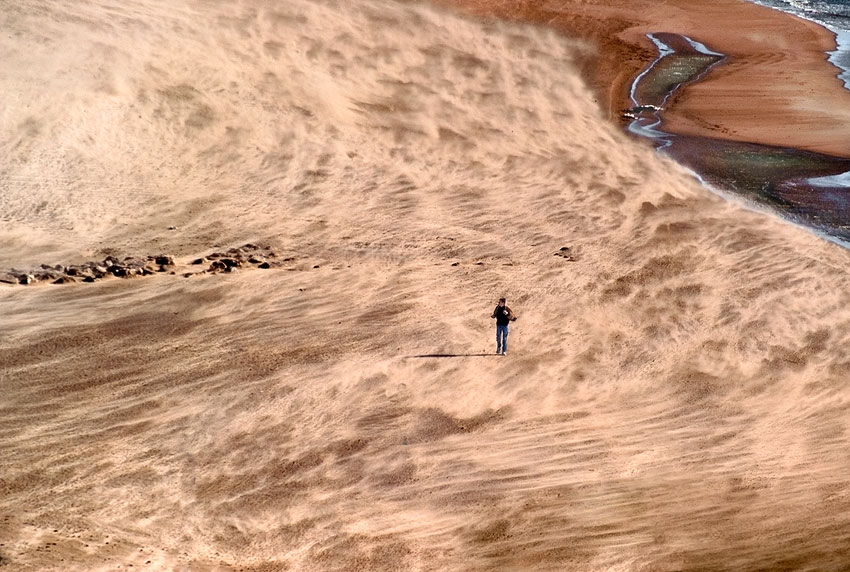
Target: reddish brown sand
[[776, 86]]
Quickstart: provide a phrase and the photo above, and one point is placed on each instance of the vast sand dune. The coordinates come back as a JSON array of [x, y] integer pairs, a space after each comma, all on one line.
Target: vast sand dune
[[674, 397]]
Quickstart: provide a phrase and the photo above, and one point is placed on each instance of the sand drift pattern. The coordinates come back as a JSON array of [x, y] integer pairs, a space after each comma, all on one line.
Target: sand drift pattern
[[676, 397]]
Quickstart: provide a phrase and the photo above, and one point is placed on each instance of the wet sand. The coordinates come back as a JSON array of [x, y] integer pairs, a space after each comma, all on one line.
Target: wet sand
[[776, 87]]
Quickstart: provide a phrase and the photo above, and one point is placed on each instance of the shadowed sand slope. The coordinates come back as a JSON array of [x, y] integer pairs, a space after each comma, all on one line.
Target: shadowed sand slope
[[674, 398]]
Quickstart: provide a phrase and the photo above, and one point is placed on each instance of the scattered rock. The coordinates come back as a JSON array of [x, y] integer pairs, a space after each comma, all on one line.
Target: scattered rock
[[135, 263], [46, 275], [566, 253], [131, 266], [639, 110]]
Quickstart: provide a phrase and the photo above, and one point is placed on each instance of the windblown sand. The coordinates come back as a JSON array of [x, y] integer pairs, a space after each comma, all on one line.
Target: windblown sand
[[674, 398]]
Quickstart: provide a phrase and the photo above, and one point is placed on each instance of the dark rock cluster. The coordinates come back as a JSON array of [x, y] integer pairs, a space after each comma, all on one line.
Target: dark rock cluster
[[640, 111], [233, 259], [90, 271], [567, 253]]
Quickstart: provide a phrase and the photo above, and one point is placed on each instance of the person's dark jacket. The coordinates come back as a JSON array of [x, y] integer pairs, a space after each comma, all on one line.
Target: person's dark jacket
[[503, 315]]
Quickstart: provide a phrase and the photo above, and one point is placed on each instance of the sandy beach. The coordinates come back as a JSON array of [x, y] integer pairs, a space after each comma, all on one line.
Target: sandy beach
[[776, 87], [674, 395]]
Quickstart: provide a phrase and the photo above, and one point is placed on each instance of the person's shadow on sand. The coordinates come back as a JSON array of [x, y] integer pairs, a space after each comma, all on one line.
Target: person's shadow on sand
[[451, 355]]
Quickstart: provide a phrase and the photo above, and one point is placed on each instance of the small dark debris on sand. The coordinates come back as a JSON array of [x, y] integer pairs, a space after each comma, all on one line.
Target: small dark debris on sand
[[566, 253], [249, 255]]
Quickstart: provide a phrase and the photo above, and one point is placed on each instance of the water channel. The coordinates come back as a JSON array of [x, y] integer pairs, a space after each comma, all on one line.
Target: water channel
[[807, 188]]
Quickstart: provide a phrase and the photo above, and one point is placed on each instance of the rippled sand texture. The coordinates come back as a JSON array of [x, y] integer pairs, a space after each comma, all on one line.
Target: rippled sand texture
[[674, 398]]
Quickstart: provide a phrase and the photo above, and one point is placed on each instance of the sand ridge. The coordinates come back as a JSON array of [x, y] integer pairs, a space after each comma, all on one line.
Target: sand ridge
[[673, 397]]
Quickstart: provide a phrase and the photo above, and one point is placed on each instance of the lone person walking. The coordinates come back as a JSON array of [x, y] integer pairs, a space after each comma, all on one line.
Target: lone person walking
[[504, 317]]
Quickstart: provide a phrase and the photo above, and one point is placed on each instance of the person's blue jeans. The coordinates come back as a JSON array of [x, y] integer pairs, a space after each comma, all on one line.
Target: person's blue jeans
[[502, 338]]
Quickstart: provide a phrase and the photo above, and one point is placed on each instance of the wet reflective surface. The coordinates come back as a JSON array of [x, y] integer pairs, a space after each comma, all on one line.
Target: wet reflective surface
[[805, 187]]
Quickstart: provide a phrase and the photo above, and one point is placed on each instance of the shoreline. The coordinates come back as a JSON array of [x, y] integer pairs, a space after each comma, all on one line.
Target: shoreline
[[777, 86], [796, 184], [842, 40]]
